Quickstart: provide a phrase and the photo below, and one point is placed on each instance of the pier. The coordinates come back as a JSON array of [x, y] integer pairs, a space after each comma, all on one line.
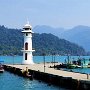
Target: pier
[[41, 72]]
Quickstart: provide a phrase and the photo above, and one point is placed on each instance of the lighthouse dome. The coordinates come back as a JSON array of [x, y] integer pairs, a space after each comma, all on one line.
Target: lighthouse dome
[[27, 26]]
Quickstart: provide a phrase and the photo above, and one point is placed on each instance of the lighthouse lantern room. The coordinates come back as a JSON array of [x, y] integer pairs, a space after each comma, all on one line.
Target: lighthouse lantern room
[[27, 50]]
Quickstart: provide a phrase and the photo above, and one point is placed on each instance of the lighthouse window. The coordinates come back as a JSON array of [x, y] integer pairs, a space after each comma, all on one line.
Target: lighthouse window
[[26, 34], [26, 28], [25, 56], [26, 46]]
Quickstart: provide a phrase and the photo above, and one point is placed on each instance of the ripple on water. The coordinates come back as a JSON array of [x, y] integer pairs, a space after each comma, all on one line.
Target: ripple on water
[[10, 81]]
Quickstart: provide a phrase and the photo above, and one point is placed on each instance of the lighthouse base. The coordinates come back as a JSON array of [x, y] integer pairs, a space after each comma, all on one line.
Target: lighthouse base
[[27, 62]]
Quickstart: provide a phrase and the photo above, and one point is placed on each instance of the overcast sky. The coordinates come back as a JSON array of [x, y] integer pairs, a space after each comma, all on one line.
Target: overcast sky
[[55, 13]]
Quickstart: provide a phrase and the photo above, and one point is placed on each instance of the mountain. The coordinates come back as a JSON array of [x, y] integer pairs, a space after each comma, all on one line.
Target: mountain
[[11, 43], [79, 34], [48, 29], [49, 44]]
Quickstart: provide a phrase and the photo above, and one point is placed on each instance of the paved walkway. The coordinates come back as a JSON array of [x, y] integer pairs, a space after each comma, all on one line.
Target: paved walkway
[[40, 67]]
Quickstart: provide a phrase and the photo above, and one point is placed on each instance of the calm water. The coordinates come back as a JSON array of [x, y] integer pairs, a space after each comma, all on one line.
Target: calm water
[[13, 82], [39, 59], [10, 81]]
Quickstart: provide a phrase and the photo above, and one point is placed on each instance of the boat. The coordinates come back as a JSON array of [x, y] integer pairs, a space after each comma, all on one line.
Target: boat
[[1, 67], [27, 74], [72, 66]]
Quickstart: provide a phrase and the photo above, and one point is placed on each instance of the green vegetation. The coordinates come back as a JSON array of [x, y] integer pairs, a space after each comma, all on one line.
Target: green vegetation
[[11, 43], [51, 44]]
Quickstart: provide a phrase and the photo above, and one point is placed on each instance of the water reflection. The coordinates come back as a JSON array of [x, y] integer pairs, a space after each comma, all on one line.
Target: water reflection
[[27, 84], [10, 81]]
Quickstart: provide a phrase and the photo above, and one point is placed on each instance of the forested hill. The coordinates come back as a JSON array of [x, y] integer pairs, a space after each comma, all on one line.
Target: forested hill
[[11, 43], [49, 44]]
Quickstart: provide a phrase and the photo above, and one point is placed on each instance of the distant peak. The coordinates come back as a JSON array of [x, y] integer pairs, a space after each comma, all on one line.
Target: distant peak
[[81, 26]]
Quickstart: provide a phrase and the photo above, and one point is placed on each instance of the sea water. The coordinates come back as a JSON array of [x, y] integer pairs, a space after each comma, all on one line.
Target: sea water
[[39, 59], [9, 81]]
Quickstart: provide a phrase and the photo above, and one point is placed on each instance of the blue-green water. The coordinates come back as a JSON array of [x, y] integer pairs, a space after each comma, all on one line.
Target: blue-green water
[[39, 59], [10, 81]]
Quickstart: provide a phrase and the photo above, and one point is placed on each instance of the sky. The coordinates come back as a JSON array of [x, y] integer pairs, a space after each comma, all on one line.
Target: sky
[[54, 13]]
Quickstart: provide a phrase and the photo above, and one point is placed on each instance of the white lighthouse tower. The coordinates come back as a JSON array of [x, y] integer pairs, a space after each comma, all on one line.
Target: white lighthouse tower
[[27, 50]]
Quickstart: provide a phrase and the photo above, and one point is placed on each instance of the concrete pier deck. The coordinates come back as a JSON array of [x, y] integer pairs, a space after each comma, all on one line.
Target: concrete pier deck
[[40, 67]]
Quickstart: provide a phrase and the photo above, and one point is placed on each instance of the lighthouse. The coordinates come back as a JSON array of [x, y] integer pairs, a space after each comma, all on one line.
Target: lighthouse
[[27, 50]]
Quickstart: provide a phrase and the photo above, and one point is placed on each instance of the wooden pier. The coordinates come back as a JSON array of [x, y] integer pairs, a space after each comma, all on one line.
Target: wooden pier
[[71, 80]]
